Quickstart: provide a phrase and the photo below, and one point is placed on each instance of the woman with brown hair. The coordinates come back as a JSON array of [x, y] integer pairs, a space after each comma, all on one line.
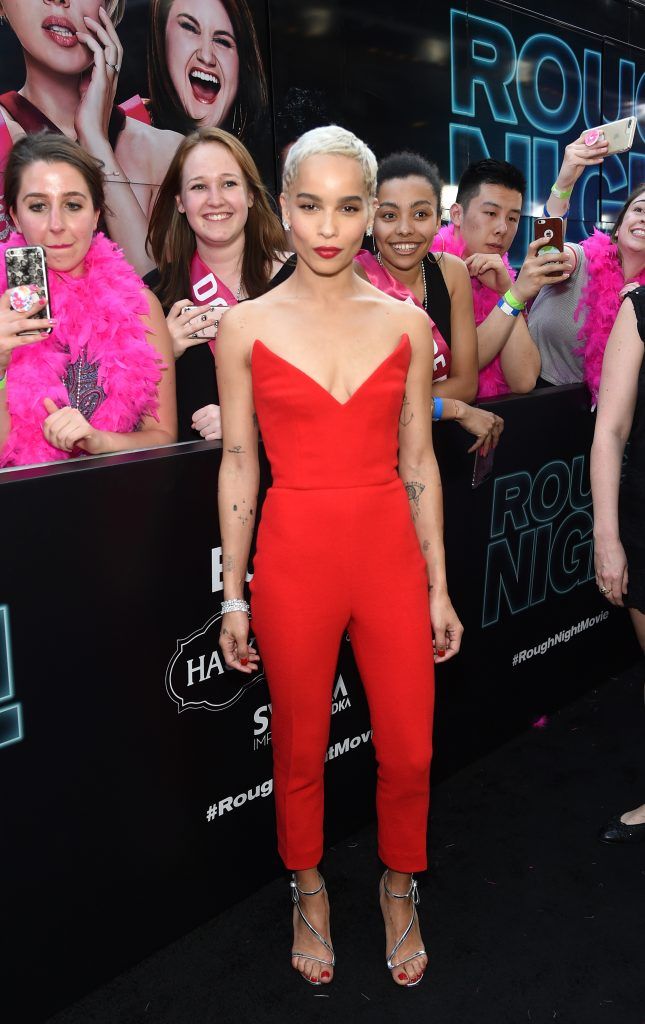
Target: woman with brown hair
[[204, 66], [98, 376], [215, 240]]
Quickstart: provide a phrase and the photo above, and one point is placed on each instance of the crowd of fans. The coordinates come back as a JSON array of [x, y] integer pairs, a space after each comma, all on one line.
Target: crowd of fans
[[127, 363]]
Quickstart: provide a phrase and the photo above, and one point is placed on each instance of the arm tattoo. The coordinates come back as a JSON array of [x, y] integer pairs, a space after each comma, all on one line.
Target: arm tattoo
[[414, 491], [229, 563], [407, 415], [425, 546], [236, 450]]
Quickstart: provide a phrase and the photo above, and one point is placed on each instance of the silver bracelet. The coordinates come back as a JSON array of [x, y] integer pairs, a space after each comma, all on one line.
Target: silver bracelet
[[235, 604]]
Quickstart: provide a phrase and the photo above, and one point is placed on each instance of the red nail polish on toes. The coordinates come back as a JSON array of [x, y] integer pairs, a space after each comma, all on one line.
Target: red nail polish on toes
[[325, 974], [403, 977]]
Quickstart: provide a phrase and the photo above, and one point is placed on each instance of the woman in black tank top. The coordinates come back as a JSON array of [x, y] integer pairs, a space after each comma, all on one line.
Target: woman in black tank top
[[407, 219]]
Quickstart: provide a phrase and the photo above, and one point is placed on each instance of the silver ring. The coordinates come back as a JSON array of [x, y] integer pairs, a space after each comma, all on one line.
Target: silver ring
[[115, 67], [603, 590]]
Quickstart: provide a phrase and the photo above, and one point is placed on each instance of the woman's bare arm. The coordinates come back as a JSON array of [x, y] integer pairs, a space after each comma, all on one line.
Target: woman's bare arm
[[239, 476], [616, 404], [420, 474], [462, 382]]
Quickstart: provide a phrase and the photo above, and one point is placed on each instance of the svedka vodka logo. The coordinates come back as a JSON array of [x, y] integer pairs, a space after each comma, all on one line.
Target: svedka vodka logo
[[197, 676]]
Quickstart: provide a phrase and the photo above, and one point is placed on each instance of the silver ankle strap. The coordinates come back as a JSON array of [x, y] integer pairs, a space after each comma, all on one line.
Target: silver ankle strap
[[297, 892], [413, 891]]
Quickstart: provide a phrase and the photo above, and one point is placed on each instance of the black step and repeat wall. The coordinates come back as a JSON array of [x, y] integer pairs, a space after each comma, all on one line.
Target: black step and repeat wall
[[137, 771]]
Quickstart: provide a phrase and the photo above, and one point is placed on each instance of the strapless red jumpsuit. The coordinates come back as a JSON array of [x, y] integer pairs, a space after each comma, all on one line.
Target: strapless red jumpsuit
[[337, 551]]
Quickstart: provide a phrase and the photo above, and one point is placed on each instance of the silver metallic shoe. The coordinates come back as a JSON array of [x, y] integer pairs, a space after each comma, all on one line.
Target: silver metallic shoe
[[296, 893], [413, 894]]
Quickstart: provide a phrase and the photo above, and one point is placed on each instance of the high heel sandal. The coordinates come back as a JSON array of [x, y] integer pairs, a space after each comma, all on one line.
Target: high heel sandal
[[412, 893], [296, 893]]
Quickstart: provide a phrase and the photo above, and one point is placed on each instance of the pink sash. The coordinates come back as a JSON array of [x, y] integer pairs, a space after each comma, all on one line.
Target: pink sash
[[207, 289], [383, 280]]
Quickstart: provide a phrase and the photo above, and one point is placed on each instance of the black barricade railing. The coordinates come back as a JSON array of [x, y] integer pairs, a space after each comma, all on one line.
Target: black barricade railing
[[137, 770]]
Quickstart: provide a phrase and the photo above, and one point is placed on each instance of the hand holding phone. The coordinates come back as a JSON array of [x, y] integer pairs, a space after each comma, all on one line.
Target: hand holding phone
[[208, 317], [619, 135], [27, 284]]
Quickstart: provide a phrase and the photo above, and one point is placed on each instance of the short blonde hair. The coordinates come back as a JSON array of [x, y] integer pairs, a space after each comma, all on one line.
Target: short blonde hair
[[333, 141]]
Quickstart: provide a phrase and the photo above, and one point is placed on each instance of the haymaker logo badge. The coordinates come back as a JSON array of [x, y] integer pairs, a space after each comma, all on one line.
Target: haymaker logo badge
[[197, 677]]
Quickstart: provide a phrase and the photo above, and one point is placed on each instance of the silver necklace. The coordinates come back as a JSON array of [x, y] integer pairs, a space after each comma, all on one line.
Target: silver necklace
[[379, 260], [237, 299]]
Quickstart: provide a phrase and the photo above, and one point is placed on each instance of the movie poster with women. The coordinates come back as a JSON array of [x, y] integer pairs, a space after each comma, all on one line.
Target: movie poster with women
[[455, 81], [131, 78]]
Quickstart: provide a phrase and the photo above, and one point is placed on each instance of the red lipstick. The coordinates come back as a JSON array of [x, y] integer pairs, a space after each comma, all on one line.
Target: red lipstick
[[327, 251], [61, 30]]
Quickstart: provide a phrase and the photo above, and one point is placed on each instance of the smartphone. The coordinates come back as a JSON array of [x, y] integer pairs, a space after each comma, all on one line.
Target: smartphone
[[26, 266], [619, 135], [483, 467], [552, 229], [210, 331]]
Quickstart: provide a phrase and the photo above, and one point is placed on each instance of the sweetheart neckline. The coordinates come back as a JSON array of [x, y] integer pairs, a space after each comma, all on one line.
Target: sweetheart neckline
[[404, 338]]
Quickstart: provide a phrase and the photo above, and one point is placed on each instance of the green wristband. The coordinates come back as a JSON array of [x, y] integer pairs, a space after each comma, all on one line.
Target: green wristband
[[512, 301], [3, 380], [561, 193]]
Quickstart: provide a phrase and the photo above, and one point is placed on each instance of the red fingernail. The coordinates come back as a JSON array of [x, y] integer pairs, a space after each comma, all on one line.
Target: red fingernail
[[244, 661], [325, 974], [441, 653], [403, 977]]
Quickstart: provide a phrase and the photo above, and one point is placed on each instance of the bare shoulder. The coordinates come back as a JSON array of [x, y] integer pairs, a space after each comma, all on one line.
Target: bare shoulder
[[155, 147], [238, 329]]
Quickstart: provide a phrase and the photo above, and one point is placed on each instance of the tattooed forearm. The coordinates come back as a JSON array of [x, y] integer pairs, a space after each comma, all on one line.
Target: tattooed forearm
[[425, 547], [414, 491], [407, 415], [229, 563], [236, 450]]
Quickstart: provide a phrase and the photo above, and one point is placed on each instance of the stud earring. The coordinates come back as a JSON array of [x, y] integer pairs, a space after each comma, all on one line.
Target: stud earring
[[286, 225]]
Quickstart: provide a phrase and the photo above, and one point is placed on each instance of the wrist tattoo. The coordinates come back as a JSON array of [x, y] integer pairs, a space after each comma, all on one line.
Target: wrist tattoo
[[414, 491], [426, 545]]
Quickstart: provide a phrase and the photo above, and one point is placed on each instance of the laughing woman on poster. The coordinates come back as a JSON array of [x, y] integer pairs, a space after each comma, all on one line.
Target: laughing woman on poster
[[350, 537], [205, 67], [72, 58]]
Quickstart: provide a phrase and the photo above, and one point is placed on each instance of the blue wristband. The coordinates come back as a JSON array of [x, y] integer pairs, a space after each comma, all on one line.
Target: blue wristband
[[437, 408], [506, 308]]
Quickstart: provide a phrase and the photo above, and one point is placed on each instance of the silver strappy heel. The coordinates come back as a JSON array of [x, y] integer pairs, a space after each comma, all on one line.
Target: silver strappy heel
[[412, 893], [296, 893]]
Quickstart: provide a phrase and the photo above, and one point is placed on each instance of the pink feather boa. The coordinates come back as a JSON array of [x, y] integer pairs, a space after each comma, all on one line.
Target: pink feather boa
[[99, 312], [492, 381], [599, 303]]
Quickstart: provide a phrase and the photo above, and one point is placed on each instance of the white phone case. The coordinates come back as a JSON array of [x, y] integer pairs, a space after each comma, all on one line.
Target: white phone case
[[619, 134]]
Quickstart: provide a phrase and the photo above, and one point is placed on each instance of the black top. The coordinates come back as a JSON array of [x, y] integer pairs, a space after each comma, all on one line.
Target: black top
[[195, 378], [632, 485], [438, 296]]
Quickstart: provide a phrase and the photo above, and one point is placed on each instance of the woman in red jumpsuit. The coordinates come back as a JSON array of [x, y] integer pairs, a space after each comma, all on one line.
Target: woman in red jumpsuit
[[337, 376]]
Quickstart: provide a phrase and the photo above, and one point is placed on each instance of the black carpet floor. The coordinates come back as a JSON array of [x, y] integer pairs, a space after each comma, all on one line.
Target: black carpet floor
[[527, 917]]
